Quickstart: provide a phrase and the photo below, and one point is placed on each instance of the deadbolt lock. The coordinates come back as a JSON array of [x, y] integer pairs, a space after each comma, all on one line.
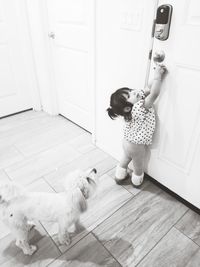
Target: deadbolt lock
[[163, 21]]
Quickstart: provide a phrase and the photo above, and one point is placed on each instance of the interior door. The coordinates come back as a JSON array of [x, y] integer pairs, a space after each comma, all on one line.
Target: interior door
[[175, 155], [15, 87], [71, 33]]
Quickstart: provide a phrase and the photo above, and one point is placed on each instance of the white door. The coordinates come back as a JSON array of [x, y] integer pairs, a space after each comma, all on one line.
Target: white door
[[71, 33], [175, 155], [15, 87], [123, 41]]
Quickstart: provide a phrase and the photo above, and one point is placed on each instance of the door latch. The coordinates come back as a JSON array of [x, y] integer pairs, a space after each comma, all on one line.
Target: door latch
[[163, 21]]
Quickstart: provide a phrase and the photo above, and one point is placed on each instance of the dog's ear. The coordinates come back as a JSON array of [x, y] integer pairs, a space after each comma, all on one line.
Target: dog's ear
[[91, 181], [79, 200], [2, 200]]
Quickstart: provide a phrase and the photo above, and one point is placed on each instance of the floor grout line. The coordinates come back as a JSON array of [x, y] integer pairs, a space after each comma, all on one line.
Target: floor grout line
[[45, 150], [187, 237], [113, 212], [19, 151], [50, 237], [160, 239], [5, 173], [106, 249]]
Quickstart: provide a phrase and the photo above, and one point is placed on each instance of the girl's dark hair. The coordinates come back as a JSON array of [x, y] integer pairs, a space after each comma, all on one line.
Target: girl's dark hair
[[117, 104]]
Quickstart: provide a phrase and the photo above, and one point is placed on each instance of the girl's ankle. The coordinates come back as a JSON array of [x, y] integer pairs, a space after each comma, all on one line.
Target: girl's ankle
[[137, 180], [120, 174]]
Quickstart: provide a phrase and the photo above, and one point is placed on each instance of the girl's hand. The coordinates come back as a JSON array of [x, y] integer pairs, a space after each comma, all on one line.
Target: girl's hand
[[160, 70]]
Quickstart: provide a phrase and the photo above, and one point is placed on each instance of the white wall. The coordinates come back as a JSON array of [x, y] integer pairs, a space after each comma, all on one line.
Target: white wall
[[123, 41]]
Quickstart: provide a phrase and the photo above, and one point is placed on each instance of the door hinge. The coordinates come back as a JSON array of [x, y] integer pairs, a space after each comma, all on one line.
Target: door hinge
[[153, 28], [150, 54]]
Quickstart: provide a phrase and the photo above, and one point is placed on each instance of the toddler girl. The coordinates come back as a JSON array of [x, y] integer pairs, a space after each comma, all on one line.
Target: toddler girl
[[136, 107]]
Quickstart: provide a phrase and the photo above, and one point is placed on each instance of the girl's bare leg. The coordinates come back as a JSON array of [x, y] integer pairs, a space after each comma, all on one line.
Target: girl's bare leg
[[124, 161], [137, 154], [121, 169]]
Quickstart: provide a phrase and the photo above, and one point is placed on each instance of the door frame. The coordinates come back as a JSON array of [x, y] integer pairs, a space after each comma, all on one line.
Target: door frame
[[53, 100], [151, 45]]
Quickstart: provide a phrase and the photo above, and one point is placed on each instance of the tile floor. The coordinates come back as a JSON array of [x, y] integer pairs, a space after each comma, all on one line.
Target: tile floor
[[123, 226]]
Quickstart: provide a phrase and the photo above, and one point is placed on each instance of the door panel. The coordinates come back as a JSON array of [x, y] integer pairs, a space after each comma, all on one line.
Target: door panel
[[176, 145], [72, 23], [14, 81], [123, 40]]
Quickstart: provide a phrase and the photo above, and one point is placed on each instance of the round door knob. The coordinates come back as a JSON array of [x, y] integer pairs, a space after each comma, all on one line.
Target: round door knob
[[51, 35], [159, 56]]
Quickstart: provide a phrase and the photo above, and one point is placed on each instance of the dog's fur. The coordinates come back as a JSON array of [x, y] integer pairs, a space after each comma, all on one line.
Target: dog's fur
[[18, 207]]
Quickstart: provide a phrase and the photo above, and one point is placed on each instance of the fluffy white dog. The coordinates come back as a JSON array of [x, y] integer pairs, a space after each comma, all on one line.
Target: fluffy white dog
[[18, 207]]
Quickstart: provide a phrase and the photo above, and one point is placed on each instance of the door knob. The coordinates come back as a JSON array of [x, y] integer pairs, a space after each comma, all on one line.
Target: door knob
[[51, 35], [159, 56]]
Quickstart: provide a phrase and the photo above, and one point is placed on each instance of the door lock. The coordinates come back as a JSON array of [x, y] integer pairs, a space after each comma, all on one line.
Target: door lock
[[163, 21]]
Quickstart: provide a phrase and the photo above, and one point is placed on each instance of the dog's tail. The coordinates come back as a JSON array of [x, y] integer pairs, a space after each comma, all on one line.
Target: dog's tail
[[78, 200]]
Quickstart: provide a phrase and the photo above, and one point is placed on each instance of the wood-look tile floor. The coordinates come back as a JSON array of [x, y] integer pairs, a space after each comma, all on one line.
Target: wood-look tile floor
[[123, 226]]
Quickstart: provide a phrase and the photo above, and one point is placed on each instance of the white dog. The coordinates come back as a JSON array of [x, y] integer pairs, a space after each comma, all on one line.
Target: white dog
[[18, 207]]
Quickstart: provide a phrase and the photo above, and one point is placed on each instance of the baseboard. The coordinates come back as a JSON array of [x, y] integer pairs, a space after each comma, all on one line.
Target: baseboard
[[3, 117], [74, 123], [182, 200]]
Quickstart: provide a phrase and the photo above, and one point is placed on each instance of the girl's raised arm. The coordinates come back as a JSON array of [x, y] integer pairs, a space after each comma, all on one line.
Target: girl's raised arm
[[156, 86]]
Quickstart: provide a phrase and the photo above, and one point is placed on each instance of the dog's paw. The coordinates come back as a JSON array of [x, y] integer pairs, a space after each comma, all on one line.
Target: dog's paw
[[79, 228], [29, 251], [65, 240]]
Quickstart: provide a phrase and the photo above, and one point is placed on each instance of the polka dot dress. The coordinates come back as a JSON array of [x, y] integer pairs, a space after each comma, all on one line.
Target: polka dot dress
[[140, 128]]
